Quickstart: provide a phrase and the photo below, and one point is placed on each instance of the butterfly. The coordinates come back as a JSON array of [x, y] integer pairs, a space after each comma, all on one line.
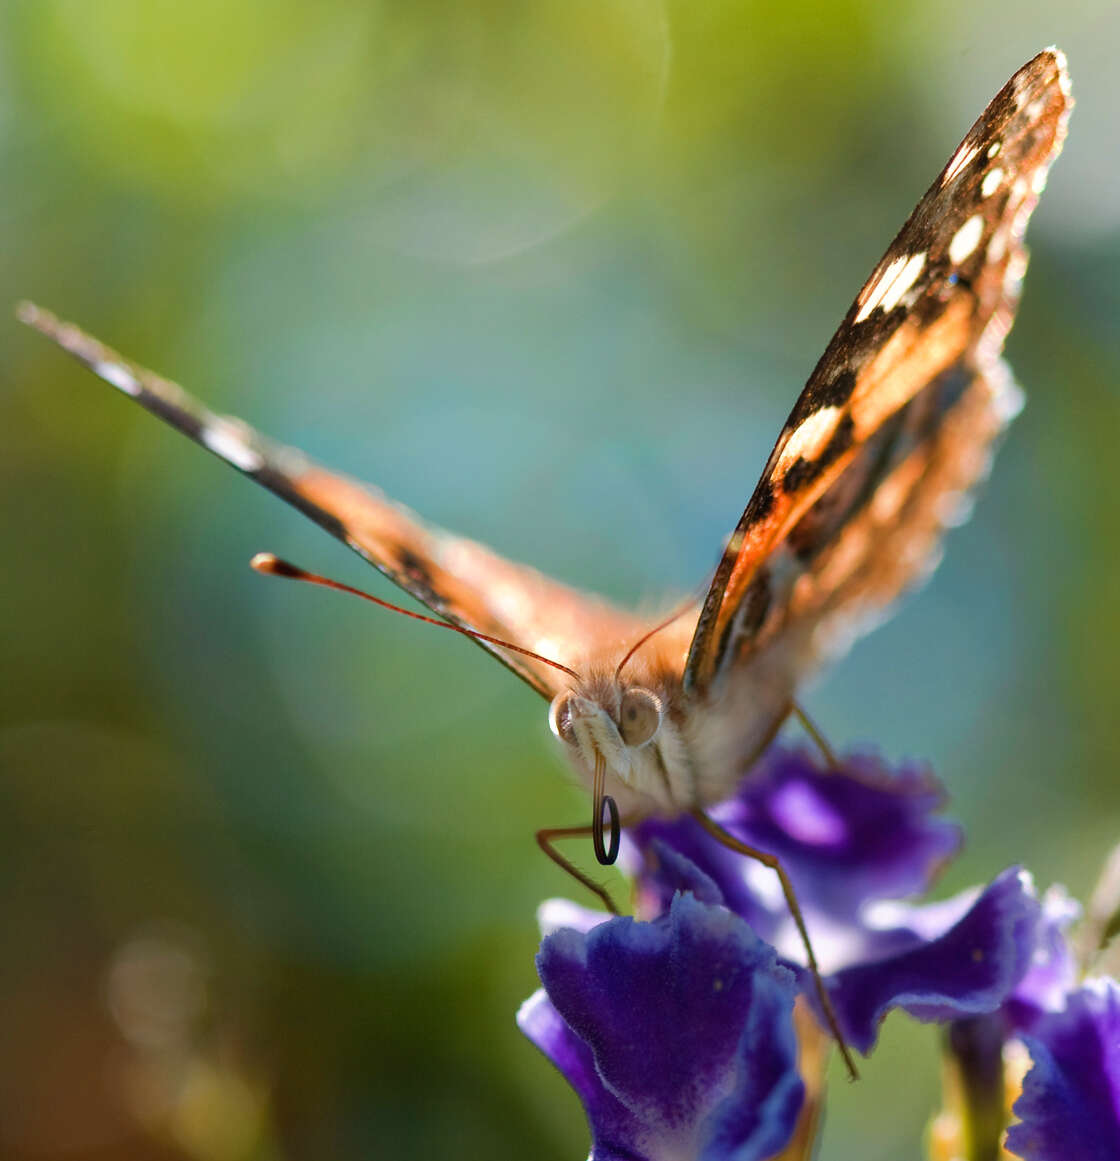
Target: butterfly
[[895, 425]]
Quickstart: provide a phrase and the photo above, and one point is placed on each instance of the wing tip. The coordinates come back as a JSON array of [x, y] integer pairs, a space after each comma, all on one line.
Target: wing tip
[[37, 317], [104, 362], [1050, 57], [1061, 61]]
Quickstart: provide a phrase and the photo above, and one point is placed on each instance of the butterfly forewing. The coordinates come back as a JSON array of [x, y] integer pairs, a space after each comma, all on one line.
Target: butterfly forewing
[[462, 581], [939, 303]]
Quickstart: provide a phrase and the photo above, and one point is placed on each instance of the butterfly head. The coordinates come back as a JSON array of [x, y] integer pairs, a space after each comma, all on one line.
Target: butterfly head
[[605, 719]]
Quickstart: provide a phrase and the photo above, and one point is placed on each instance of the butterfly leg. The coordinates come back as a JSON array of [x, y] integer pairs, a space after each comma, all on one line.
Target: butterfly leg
[[818, 739], [544, 841], [732, 843]]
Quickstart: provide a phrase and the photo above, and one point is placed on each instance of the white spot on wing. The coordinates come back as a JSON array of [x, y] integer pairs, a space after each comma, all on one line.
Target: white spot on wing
[[224, 439], [906, 279], [966, 239], [877, 289], [994, 148], [808, 440], [887, 290], [960, 159], [119, 376], [993, 179]]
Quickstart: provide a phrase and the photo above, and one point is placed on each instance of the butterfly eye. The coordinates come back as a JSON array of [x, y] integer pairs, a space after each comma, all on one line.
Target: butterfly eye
[[560, 718], [639, 716]]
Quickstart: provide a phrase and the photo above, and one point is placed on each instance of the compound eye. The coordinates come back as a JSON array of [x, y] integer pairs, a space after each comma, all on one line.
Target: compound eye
[[639, 716], [560, 718]]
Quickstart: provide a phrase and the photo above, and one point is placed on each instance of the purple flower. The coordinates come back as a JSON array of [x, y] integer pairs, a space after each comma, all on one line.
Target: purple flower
[[1053, 970], [1070, 1106], [852, 841], [676, 1034], [985, 1076]]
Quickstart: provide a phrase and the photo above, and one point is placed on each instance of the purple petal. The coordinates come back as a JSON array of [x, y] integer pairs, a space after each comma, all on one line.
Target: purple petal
[[943, 964], [1053, 971], [1070, 1106], [856, 833], [676, 1034], [665, 872], [845, 837], [613, 1126], [680, 856]]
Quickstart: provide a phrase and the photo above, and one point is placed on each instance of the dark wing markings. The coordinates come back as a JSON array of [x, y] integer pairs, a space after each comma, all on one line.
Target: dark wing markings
[[944, 294]]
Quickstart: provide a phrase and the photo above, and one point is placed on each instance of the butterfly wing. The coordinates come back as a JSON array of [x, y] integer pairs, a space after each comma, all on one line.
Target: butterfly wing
[[879, 527], [916, 353], [461, 581]]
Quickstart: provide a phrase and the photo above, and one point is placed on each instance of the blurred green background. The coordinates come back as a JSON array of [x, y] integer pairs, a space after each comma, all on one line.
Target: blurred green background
[[552, 274]]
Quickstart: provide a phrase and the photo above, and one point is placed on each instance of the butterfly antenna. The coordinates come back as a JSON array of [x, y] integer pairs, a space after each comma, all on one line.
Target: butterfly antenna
[[679, 612], [269, 565]]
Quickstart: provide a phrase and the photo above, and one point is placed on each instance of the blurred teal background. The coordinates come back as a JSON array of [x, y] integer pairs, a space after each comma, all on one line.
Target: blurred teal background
[[551, 274]]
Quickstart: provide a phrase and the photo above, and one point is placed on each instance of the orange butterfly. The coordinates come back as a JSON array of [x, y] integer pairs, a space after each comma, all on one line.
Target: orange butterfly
[[893, 427]]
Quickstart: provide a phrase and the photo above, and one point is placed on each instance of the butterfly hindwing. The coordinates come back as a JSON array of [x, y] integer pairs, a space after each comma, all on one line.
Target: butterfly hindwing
[[938, 304], [460, 580]]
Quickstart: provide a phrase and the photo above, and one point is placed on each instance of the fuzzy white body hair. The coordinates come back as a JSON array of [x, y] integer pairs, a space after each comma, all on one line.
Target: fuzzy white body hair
[[704, 744]]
